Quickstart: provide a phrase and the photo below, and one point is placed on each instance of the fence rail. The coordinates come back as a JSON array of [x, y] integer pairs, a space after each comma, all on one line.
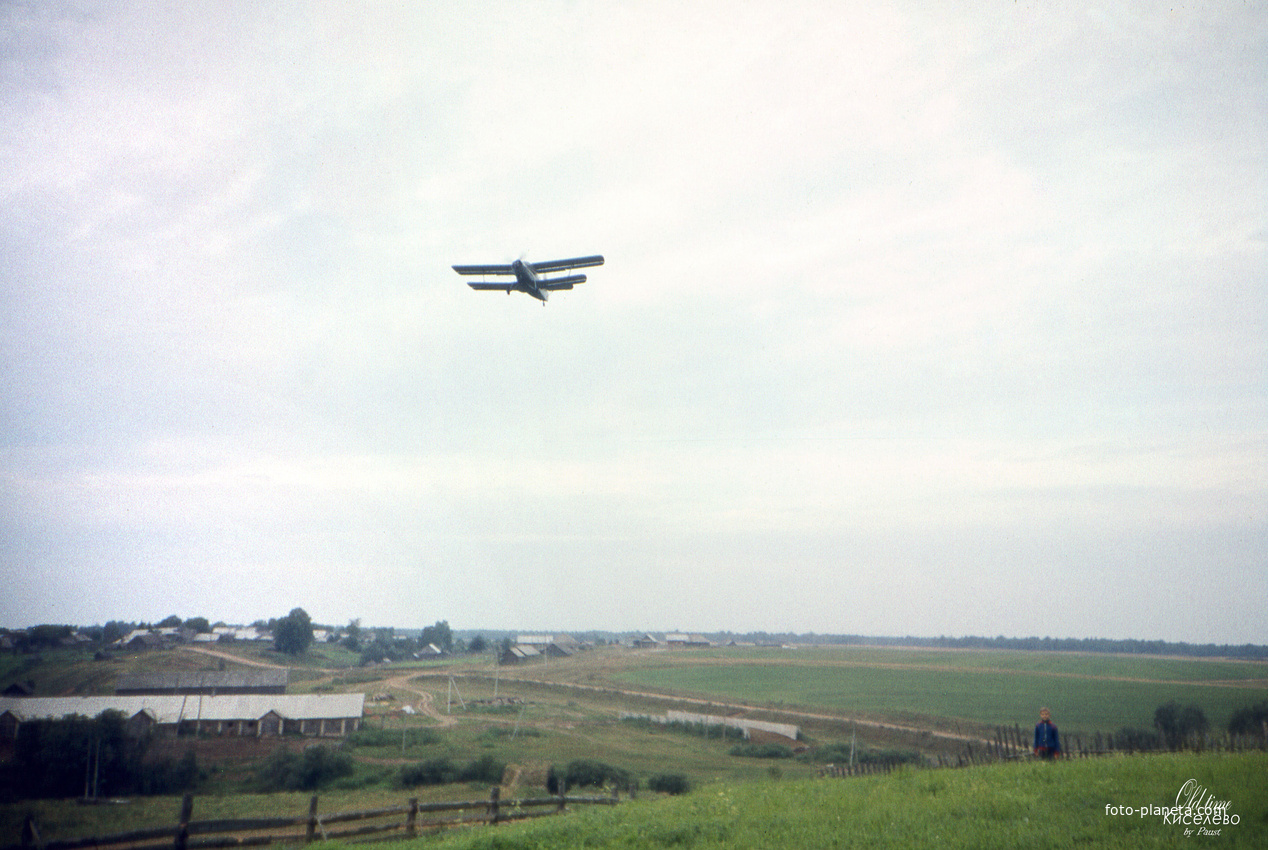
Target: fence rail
[[253, 832], [1009, 743]]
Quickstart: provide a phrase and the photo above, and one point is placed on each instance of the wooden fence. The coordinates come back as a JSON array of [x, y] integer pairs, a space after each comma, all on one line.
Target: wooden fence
[[404, 821], [1010, 743]]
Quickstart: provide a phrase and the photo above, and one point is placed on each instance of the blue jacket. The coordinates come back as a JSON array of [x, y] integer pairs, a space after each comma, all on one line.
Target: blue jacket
[[1046, 736]]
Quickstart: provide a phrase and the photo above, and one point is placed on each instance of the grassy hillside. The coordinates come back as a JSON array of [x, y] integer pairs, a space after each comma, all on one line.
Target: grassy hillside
[[1006, 805]]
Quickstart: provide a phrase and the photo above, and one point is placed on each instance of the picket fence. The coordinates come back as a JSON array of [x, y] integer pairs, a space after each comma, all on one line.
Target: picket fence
[[402, 820]]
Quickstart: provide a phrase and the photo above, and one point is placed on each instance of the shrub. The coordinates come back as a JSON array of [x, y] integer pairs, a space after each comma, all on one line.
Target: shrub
[[763, 751], [288, 771], [1135, 740], [442, 771], [587, 773], [669, 783], [171, 777], [484, 769], [431, 772]]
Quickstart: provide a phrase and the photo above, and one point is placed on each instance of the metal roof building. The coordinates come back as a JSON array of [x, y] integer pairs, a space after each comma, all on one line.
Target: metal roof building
[[251, 715], [212, 682]]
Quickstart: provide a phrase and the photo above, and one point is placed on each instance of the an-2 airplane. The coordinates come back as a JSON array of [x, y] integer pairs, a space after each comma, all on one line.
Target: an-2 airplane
[[526, 275]]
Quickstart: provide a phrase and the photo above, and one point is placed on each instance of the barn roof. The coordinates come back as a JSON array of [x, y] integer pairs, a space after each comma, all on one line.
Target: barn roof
[[204, 680], [172, 709]]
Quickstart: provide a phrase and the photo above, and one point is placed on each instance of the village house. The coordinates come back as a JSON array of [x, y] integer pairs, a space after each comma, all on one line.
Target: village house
[[555, 646], [518, 654], [429, 651], [682, 641]]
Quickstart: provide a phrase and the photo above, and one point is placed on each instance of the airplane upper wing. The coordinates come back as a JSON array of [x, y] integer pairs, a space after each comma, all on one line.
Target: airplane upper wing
[[487, 269], [560, 265]]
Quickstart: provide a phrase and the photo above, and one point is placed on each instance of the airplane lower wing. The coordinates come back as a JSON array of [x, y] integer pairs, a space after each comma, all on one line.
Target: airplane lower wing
[[491, 269], [505, 287], [562, 265], [562, 282]]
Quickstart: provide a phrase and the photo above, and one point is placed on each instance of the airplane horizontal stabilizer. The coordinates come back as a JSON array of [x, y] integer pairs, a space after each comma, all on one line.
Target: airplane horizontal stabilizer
[[562, 282]]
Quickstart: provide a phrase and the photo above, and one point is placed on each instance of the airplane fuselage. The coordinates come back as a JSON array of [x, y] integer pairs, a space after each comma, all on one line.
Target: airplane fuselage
[[526, 280]]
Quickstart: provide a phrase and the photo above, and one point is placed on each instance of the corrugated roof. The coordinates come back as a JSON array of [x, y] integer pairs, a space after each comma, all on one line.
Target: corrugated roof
[[172, 709], [204, 679]]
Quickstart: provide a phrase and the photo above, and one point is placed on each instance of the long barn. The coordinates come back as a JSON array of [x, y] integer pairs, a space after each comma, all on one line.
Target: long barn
[[210, 682], [326, 715]]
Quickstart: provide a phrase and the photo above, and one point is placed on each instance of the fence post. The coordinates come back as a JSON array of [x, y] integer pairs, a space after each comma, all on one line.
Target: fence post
[[563, 789], [494, 794], [312, 821], [182, 825], [31, 833], [411, 828]]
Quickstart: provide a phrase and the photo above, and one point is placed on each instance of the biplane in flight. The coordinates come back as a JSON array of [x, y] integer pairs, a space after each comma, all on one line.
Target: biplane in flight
[[526, 277]]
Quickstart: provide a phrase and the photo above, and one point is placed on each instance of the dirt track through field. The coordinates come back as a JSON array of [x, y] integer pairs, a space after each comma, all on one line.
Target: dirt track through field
[[236, 659], [426, 702], [745, 708]]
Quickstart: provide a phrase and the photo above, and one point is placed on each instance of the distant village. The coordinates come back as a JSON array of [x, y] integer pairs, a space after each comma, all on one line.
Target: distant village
[[511, 650], [247, 702]]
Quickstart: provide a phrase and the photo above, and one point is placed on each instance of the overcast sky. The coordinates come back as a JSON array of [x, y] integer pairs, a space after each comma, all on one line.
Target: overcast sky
[[915, 319]]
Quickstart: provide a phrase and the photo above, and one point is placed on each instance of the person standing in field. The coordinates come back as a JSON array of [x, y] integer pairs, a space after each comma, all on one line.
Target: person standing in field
[[1047, 741]]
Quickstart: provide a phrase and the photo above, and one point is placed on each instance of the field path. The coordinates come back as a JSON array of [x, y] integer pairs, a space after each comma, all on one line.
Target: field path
[[236, 659], [426, 702]]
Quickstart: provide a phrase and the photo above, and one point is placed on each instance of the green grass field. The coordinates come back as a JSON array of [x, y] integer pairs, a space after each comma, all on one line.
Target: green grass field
[[1087, 693]]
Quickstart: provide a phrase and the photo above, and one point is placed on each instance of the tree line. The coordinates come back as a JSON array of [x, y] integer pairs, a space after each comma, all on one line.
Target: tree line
[[95, 757]]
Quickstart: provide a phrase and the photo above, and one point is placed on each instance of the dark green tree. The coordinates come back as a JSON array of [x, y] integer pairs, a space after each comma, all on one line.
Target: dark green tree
[[1252, 720], [1177, 724], [293, 633], [171, 621], [54, 758], [114, 630], [478, 644], [41, 637], [438, 634], [198, 624]]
